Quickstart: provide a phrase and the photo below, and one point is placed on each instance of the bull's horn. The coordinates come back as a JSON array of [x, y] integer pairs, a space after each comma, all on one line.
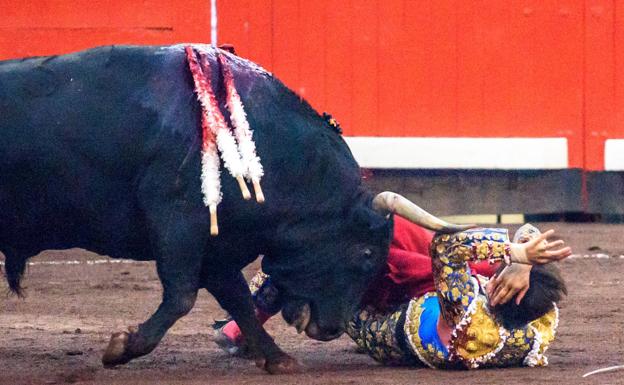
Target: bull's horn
[[388, 202]]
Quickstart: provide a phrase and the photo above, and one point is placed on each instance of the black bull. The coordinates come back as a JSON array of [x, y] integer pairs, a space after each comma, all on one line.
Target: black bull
[[101, 150]]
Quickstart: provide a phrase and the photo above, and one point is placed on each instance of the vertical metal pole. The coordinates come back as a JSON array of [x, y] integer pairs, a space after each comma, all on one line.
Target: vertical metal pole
[[213, 22]]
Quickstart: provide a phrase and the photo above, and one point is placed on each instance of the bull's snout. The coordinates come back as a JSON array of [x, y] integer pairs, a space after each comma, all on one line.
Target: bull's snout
[[325, 334], [300, 315]]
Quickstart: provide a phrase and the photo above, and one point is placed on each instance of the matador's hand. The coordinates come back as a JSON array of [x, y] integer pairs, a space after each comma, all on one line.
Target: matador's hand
[[514, 280], [539, 250]]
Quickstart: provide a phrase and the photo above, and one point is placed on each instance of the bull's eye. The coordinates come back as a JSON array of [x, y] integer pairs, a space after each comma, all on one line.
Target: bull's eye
[[366, 263]]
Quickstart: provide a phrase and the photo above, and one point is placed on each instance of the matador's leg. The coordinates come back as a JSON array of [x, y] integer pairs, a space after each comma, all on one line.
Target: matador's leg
[[267, 302]]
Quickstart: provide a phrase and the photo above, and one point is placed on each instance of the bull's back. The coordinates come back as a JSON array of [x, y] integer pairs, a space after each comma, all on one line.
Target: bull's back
[[88, 102], [91, 141], [77, 133]]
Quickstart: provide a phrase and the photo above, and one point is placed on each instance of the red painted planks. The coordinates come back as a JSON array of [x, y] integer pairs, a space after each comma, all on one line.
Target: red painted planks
[[618, 74], [46, 27], [521, 68], [52, 14], [364, 68], [599, 76], [338, 66]]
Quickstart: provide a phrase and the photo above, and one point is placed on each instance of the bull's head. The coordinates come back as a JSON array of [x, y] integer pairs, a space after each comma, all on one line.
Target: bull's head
[[323, 286]]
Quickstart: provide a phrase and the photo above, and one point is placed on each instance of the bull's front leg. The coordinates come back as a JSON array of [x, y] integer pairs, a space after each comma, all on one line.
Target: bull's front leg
[[232, 293]]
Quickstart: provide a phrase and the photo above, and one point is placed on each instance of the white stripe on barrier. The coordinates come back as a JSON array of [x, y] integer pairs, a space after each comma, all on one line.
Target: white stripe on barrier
[[461, 153], [87, 262], [595, 256], [131, 262], [614, 155]]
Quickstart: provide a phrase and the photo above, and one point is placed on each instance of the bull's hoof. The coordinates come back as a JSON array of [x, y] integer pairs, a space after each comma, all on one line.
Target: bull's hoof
[[117, 352], [282, 364]]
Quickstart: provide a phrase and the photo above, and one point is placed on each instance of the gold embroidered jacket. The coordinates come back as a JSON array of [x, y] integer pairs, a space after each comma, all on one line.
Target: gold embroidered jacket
[[478, 339]]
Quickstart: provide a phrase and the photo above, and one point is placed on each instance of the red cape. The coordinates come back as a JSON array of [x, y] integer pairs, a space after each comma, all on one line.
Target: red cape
[[408, 271]]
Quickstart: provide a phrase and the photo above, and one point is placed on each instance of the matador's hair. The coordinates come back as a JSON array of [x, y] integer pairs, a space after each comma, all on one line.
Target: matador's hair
[[546, 287]]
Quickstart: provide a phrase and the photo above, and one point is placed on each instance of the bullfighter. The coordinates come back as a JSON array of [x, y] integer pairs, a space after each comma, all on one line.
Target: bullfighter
[[402, 307], [466, 323]]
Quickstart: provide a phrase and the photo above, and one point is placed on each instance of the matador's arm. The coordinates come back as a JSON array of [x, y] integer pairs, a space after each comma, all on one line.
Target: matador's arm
[[450, 254]]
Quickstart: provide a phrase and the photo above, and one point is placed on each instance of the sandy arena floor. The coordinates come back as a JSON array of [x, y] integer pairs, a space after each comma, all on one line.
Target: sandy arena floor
[[56, 335]]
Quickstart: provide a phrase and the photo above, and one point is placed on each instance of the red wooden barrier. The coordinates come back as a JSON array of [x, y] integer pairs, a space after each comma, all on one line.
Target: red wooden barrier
[[394, 68], [44, 27]]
